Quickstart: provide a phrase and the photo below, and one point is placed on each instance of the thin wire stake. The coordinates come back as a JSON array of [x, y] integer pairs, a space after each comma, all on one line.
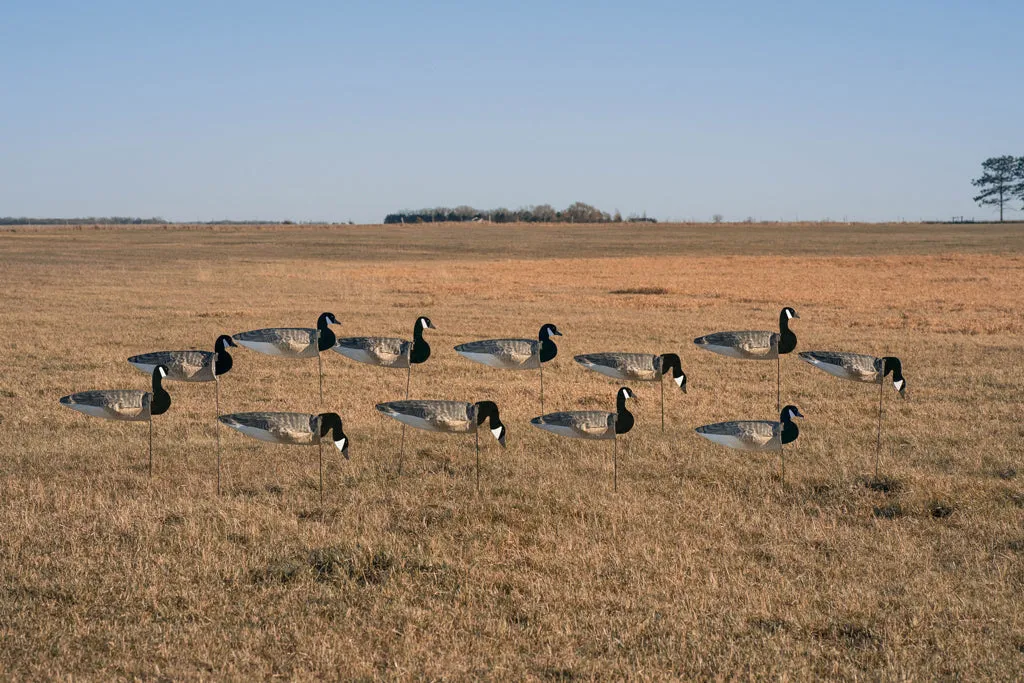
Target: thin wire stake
[[320, 369], [878, 441], [615, 464], [150, 446], [321, 444], [542, 388], [661, 381], [778, 382], [217, 422], [477, 433]]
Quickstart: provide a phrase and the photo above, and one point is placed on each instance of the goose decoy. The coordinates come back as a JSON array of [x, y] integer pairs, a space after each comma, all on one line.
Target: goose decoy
[[756, 345], [132, 405], [294, 342], [593, 424], [390, 352], [756, 435], [300, 429], [193, 366], [452, 417], [637, 367], [861, 368], [515, 354]]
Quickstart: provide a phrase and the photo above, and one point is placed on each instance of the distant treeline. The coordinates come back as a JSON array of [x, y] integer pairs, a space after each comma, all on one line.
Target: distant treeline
[[91, 220], [543, 213]]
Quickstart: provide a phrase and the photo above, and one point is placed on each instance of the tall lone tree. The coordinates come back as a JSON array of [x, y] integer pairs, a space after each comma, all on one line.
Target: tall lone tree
[[999, 182]]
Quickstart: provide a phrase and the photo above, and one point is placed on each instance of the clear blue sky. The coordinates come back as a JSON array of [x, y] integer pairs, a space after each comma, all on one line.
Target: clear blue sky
[[333, 110]]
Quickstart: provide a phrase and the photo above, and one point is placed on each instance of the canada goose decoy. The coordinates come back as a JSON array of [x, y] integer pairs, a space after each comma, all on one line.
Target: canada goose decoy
[[299, 429], [515, 354], [390, 352], [294, 342], [452, 417], [637, 367], [193, 366], [756, 345], [756, 435], [132, 405], [861, 368], [593, 424]]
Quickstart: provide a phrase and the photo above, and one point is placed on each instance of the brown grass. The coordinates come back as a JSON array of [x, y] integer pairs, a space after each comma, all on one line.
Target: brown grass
[[702, 565]]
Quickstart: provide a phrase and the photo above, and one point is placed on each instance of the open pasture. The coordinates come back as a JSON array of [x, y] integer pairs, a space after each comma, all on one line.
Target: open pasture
[[702, 564]]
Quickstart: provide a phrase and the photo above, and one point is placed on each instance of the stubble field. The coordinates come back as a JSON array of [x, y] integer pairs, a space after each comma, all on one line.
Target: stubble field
[[702, 564]]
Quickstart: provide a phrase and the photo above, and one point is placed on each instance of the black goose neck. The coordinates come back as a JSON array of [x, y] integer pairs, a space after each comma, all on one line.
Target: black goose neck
[[623, 418], [325, 337], [161, 399], [670, 361], [223, 360], [787, 338], [488, 410], [893, 365], [789, 430], [420, 348], [548, 349], [331, 422]]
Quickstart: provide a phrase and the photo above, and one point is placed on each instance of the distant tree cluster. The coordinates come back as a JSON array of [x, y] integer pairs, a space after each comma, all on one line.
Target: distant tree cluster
[[1001, 181], [91, 220], [542, 213]]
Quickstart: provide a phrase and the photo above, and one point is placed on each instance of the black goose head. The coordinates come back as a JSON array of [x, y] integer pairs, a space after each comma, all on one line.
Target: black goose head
[[548, 350], [327, 338], [787, 339], [223, 361], [331, 422], [893, 365], [670, 361], [789, 429], [161, 399], [420, 348], [489, 410], [624, 419]]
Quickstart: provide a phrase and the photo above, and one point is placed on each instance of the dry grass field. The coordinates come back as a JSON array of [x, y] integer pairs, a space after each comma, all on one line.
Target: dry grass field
[[702, 565]]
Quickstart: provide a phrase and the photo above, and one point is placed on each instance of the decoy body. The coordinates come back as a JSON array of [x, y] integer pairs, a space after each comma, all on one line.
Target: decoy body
[[388, 352], [861, 368], [756, 435], [637, 367], [189, 366], [291, 342], [132, 405], [294, 342], [452, 417], [754, 344], [300, 429], [592, 424], [858, 367], [515, 354]]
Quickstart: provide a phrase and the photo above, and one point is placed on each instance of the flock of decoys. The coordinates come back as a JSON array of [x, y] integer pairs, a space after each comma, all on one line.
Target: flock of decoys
[[458, 417]]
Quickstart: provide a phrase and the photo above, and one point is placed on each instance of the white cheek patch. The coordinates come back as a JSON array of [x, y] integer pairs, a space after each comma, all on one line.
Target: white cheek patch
[[340, 444], [679, 381], [789, 314], [898, 384], [163, 373], [497, 432]]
